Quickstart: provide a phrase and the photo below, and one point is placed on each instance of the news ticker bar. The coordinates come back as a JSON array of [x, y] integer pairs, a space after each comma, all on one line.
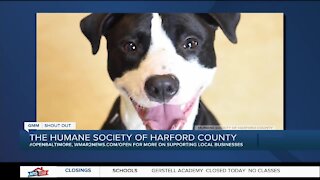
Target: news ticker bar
[[170, 140], [170, 171]]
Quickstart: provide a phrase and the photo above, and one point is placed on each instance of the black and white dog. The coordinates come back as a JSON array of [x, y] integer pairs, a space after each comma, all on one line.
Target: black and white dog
[[160, 63]]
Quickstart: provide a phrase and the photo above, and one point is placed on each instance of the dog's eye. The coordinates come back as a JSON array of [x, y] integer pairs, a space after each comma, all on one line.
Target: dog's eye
[[129, 47], [190, 43]]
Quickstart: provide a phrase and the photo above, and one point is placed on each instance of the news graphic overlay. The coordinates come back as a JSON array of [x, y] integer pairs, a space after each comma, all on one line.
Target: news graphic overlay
[[169, 171], [57, 138]]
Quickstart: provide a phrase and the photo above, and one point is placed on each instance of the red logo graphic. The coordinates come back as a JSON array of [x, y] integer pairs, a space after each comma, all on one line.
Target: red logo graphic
[[38, 172]]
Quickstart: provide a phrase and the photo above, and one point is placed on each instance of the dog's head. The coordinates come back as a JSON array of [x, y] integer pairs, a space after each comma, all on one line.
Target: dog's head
[[160, 62]]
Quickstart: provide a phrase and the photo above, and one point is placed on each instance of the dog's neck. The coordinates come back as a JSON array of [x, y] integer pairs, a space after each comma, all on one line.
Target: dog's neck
[[132, 121]]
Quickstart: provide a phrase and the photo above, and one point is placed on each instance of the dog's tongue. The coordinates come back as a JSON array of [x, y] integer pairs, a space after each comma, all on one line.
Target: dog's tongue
[[164, 117]]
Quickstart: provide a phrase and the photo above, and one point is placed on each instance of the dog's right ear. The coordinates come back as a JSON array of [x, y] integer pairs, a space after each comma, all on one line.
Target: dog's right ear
[[93, 26]]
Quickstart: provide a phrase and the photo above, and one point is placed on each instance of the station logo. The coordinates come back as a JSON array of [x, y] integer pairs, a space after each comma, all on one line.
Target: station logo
[[38, 172]]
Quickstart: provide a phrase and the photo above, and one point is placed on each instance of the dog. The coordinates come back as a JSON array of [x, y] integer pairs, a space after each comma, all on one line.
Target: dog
[[161, 64]]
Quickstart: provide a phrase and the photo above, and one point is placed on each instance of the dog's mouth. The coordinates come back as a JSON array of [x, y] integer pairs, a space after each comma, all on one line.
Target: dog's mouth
[[164, 116]]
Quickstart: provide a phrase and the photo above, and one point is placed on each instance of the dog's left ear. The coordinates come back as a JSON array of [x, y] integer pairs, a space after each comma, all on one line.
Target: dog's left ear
[[94, 26], [228, 22]]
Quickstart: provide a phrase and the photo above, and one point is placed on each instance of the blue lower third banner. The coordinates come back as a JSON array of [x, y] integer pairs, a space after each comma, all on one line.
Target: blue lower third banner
[[166, 140]]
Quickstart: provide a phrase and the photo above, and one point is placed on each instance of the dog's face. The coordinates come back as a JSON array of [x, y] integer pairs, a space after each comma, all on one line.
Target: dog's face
[[160, 62]]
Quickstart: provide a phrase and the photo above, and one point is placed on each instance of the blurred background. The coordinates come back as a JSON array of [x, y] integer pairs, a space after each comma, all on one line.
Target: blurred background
[[246, 93]]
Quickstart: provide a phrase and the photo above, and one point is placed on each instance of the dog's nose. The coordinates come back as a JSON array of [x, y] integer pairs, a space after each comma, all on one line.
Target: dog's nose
[[161, 88]]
